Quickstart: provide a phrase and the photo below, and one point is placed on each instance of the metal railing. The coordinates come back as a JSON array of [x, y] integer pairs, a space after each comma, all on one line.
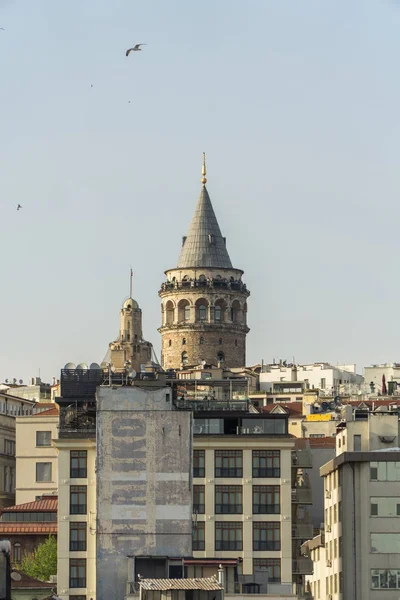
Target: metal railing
[[302, 531], [301, 495], [302, 566]]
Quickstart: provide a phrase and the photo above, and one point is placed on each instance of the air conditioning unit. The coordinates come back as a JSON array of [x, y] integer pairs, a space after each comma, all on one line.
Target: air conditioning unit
[[327, 494], [328, 563], [328, 528]]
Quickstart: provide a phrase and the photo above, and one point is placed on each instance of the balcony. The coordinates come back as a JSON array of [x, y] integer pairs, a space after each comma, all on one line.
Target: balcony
[[302, 531], [301, 459], [302, 566], [212, 283], [301, 495], [77, 420]]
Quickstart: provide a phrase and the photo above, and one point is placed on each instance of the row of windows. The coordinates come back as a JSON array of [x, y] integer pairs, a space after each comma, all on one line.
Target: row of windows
[[185, 357], [229, 463], [29, 517], [235, 313], [229, 536], [11, 409], [229, 499], [385, 579], [78, 467], [9, 447], [385, 471]]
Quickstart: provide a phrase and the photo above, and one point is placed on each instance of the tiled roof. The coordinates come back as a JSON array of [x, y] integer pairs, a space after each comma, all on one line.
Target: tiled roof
[[294, 409], [8, 528], [321, 442], [204, 245], [205, 583], [50, 412], [29, 582], [47, 504]]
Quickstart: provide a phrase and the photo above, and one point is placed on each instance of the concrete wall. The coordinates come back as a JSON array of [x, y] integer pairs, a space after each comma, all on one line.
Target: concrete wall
[[320, 456], [144, 495]]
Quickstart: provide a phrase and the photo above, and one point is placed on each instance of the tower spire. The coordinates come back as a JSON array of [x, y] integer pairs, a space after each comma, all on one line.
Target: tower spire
[[130, 283], [204, 170]]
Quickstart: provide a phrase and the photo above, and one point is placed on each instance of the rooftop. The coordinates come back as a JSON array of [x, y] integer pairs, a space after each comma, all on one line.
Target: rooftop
[[205, 583], [30, 583], [9, 528], [46, 504]]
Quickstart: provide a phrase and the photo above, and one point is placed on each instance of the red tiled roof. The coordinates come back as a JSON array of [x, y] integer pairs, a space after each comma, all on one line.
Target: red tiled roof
[[293, 409], [47, 504], [29, 582], [50, 412], [369, 403], [7, 528]]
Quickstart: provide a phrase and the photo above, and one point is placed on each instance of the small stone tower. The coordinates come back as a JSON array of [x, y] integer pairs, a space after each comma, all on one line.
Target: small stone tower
[[130, 349], [204, 300]]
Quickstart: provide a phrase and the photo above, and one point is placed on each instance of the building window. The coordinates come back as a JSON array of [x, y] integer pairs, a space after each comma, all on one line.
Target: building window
[[202, 312], [185, 359], [266, 463], [228, 499], [235, 342], [228, 535], [323, 383], [17, 553], [187, 313], [201, 340], [78, 503], [220, 357], [385, 507], [198, 499], [272, 565], [199, 463], [266, 499], [5, 482], [385, 579], [198, 537], [169, 343], [9, 447], [78, 464], [217, 313], [43, 438], [267, 536], [77, 536], [77, 573], [385, 471], [385, 543], [228, 463], [183, 341], [220, 341], [43, 471]]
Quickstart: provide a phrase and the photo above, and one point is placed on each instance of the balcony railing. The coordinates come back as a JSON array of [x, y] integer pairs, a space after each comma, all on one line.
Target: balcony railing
[[211, 405], [225, 284], [77, 420], [302, 459], [266, 509], [228, 472], [264, 545], [266, 472], [302, 566], [301, 495], [302, 531], [227, 545], [229, 509]]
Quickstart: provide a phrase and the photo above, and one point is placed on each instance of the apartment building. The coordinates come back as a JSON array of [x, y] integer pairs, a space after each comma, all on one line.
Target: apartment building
[[359, 552], [319, 375], [36, 455]]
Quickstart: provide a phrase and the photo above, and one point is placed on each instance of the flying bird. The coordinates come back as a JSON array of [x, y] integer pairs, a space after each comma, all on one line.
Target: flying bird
[[136, 48], [19, 206], [2, 28]]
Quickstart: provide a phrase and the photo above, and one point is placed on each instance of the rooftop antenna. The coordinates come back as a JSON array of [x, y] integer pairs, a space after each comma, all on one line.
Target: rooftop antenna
[[204, 170], [130, 284]]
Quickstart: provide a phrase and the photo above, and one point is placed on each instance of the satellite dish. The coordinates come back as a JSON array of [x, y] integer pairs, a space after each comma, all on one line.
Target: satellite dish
[[6, 380], [95, 367], [15, 576], [324, 406], [70, 366], [82, 367], [21, 381], [132, 373], [14, 380]]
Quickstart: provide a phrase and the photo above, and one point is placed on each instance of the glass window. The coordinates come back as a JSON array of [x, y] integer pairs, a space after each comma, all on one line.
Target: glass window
[[199, 463], [275, 426], [199, 499], [185, 359], [17, 553], [385, 471], [266, 463], [385, 506], [228, 463], [9, 447], [198, 536], [385, 579], [187, 313], [77, 536], [78, 503], [201, 340], [217, 313], [43, 438], [202, 312], [272, 565], [228, 499], [228, 535], [220, 357], [208, 426], [267, 536], [43, 471], [385, 543], [266, 499], [78, 465], [77, 573]]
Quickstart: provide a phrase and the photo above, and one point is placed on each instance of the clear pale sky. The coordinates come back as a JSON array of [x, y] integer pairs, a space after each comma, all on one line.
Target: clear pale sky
[[297, 104]]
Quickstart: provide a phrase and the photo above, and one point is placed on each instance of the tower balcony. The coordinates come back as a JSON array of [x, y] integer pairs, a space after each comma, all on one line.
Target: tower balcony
[[207, 284]]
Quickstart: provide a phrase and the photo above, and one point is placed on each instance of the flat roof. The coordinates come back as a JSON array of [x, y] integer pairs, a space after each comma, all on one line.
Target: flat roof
[[205, 583], [349, 457]]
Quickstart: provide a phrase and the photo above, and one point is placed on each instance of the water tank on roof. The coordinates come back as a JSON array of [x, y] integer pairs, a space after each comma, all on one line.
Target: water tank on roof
[[70, 366], [82, 367]]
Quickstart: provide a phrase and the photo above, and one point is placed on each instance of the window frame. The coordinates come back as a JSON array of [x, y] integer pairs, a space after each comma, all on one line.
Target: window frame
[[81, 492], [266, 564], [199, 493], [51, 472], [198, 458], [80, 543], [79, 471], [77, 563], [269, 464], [266, 529], [198, 542], [38, 445], [228, 463], [234, 541], [266, 508], [228, 499]]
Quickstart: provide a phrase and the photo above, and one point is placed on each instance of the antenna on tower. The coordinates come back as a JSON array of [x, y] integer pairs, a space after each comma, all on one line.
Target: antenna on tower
[[130, 284], [204, 170]]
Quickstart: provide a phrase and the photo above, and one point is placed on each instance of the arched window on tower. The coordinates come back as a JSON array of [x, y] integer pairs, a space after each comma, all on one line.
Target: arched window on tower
[[169, 343], [187, 313], [235, 342], [202, 312], [220, 357], [184, 358], [220, 341], [217, 313], [183, 341], [169, 309], [201, 340]]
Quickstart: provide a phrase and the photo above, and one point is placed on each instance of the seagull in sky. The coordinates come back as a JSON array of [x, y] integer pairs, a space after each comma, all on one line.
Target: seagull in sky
[[136, 48], [19, 206]]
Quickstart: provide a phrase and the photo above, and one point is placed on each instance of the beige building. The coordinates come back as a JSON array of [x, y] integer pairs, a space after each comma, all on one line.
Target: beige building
[[36, 458], [361, 554], [204, 300]]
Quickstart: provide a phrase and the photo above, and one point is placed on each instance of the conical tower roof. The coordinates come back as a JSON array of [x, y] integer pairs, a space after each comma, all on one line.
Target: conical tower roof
[[204, 245]]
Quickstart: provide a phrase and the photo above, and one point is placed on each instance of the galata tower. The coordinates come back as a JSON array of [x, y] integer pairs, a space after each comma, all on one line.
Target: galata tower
[[204, 300]]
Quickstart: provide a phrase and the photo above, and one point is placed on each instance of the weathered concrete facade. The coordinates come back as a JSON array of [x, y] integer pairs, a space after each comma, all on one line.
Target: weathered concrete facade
[[204, 300], [144, 495]]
